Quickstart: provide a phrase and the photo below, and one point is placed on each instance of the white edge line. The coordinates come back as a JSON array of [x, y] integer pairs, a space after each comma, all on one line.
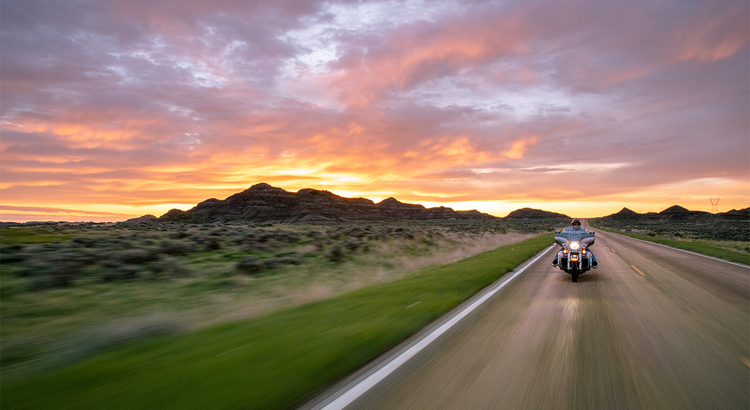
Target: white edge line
[[741, 265], [359, 387]]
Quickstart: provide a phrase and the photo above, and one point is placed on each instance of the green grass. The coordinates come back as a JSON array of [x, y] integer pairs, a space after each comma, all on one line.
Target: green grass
[[698, 246], [273, 362], [31, 236]]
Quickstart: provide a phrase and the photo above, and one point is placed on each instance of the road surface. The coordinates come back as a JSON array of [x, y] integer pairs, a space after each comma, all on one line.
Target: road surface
[[652, 328]]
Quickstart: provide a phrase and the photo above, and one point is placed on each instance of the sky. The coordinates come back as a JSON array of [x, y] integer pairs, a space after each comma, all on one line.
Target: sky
[[116, 109]]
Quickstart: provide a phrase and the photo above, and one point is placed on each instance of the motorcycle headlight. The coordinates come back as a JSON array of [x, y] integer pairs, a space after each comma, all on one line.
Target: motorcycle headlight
[[575, 245]]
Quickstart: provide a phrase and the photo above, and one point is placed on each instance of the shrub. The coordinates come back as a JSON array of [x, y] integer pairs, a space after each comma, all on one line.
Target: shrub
[[381, 235], [12, 253], [264, 237], [85, 241], [136, 256], [44, 248], [314, 234], [270, 263], [117, 242], [178, 248], [290, 237], [352, 244], [217, 232], [260, 246], [179, 235], [407, 234], [57, 269], [286, 260], [209, 242], [171, 267], [427, 241], [251, 236], [250, 264], [213, 244], [116, 271], [334, 234], [336, 254], [357, 232]]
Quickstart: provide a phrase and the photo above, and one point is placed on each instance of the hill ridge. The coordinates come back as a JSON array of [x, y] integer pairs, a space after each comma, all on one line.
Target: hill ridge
[[265, 203], [675, 213]]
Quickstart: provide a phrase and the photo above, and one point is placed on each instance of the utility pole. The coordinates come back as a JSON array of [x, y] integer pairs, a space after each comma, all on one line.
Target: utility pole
[[714, 204]]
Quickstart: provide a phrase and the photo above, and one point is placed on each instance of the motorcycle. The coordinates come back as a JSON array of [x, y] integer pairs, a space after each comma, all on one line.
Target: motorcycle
[[574, 257]]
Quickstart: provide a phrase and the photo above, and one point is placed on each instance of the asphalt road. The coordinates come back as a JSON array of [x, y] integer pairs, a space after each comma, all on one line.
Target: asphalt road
[[652, 328]]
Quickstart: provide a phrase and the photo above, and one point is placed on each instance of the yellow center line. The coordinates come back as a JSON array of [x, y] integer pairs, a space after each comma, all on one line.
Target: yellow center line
[[612, 250], [638, 270], [746, 361]]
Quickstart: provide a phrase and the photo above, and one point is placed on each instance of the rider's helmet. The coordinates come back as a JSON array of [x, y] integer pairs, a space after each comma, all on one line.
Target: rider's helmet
[[576, 221]]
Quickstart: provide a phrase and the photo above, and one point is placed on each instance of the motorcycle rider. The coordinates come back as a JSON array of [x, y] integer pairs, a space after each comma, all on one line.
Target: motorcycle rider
[[576, 228]]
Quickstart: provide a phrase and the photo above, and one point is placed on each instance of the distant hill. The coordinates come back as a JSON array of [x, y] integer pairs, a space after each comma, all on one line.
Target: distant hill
[[675, 213], [265, 203], [530, 213], [678, 213], [735, 214], [624, 214], [144, 218]]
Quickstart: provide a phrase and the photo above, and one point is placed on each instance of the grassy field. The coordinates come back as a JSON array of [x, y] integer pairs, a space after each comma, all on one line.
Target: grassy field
[[71, 291], [734, 251], [271, 362]]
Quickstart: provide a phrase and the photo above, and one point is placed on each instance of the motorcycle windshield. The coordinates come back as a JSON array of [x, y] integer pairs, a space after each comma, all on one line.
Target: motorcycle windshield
[[585, 238]]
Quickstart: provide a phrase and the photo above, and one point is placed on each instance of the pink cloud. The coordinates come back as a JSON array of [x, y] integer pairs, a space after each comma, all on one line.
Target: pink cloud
[[142, 103], [712, 38], [414, 54]]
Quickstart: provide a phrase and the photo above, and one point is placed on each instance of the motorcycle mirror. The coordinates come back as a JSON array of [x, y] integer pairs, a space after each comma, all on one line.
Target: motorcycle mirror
[[592, 232]]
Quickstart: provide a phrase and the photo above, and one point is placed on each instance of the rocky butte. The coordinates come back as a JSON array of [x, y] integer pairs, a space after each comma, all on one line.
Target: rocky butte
[[265, 203], [531, 213]]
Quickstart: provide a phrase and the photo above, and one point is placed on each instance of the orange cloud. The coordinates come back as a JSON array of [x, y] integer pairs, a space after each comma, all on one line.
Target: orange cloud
[[520, 146]]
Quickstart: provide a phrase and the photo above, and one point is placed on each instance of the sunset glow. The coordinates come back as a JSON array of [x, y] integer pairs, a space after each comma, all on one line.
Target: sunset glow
[[112, 110]]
